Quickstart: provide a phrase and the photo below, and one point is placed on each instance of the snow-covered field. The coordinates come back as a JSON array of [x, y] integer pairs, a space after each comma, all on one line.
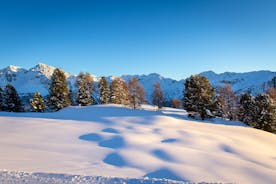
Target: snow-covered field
[[113, 141]]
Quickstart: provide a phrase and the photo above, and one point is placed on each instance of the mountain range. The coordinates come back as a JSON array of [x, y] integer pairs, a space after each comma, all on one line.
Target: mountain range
[[37, 79]]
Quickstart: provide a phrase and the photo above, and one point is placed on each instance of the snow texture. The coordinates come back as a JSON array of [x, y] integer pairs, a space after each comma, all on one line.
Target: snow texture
[[113, 141], [7, 177]]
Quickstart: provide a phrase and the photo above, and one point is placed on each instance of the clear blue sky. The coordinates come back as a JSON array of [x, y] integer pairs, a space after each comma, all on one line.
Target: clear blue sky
[[173, 38]]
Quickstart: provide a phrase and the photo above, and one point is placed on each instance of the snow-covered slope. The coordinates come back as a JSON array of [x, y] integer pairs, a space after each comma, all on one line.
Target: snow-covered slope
[[171, 88], [38, 79], [109, 140], [254, 82], [30, 81]]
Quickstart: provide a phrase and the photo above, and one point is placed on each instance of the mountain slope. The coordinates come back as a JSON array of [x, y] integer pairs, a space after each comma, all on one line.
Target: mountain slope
[[254, 82], [38, 79]]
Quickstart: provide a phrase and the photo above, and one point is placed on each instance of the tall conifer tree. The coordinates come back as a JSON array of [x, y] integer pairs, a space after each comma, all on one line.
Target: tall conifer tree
[[198, 96], [11, 99], [265, 116], [104, 91], [85, 89], [59, 93], [247, 110], [37, 103]]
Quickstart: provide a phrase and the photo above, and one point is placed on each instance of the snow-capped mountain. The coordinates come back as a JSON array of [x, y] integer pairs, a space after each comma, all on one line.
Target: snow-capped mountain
[[254, 82], [171, 88], [38, 79], [30, 81]]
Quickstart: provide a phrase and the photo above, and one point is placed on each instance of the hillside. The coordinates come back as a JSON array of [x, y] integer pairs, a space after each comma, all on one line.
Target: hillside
[[109, 140], [38, 79]]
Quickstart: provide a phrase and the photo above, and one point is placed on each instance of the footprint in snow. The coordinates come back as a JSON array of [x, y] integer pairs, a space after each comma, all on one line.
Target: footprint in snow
[[115, 159], [111, 130], [115, 142], [162, 155], [93, 137], [171, 140]]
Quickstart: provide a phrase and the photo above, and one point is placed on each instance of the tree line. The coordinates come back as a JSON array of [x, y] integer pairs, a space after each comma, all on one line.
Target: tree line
[[200, 100], [129, 93]]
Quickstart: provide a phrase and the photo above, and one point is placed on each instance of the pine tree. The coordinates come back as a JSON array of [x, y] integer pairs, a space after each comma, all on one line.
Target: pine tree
[[218, 106], [273, 113], [85, 89], [104, 91], [265, 116], [198, 96], [247, 110], [11, 100], [258, 112], [1, 99], [59, 93], [119, 93], [37, 103], [229, 104], [157, 95], [136, 92]]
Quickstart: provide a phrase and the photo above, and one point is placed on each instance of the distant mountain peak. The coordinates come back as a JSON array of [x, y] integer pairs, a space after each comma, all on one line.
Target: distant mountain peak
[[41, 66], [12, 68], [43, 69], [156, 75], [209, 72]]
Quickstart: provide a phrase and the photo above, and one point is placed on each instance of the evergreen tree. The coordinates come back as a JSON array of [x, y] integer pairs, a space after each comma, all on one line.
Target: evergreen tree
[[104, 91], [136, 92], [258, 112], [37, 103], [11, 99], [265, 116], [272, 94], [119, 93], [218, 106], [59, 93], [157, 95], [85, 89], [247, 110], [198, 96], [273, 116], [229, 104]]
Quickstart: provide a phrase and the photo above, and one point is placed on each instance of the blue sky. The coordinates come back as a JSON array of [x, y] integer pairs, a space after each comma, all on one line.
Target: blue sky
[[173, 38]]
